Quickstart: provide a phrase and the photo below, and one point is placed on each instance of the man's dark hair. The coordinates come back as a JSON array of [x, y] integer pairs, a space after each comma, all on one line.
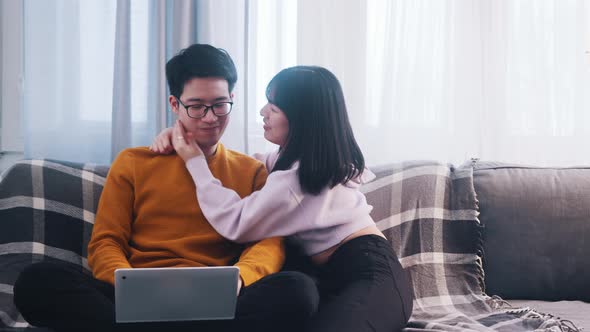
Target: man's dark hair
[[199, 60], [320, 136]]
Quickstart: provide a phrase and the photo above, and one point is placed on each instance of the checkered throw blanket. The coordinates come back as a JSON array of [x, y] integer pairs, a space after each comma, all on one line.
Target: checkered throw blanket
[[47, 211], [428, 211]]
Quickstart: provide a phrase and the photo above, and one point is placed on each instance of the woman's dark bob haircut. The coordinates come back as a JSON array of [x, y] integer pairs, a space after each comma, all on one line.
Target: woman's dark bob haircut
[[320, 136]]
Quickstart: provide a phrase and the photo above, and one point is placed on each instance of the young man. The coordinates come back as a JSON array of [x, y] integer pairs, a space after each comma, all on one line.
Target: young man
[[148, 216]]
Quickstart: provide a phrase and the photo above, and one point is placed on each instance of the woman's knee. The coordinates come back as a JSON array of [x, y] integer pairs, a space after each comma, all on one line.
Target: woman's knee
[[406, 293], [302, 292]]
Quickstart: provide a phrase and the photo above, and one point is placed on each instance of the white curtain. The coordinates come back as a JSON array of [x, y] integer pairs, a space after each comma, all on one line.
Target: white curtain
[[94, 74], [536, 74], [222, 23], [447, 80], [272, 45]]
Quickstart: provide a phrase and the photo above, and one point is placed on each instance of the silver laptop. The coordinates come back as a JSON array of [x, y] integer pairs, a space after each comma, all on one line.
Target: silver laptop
[[175, 294]]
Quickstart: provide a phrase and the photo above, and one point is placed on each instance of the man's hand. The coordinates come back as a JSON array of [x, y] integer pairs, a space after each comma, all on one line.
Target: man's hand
[[240, 283], [163, 142], [184, 143]]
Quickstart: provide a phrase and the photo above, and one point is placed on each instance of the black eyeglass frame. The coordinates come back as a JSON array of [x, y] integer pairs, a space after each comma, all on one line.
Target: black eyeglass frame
[[207, 108]]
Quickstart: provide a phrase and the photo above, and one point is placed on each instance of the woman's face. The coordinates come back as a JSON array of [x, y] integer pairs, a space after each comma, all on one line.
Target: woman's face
[[276, 125]]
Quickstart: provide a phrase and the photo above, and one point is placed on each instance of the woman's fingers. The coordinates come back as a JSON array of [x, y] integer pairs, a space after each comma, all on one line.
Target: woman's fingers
[[180, 128], [175, 135], [165, 146], [184, 142], [162, 143], [178, 133], [154, 146]]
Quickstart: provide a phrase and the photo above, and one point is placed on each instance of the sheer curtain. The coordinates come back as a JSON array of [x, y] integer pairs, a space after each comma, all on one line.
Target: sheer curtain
[[445, 80], [221, 23], [537, 81], [272, 46], [94, 74]]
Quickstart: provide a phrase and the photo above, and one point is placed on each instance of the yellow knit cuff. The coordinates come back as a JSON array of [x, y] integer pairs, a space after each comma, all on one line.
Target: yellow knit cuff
[[249, 275]]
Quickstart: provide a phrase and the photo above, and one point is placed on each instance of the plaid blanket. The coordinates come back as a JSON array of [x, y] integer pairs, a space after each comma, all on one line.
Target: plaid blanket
[[47, 212], [428, 211]]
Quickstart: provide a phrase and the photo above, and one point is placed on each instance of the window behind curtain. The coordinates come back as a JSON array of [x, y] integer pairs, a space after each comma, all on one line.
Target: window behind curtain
[[445, 80]]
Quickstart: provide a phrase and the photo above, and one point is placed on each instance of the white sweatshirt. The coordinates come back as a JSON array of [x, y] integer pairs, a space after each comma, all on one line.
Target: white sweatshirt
[[280, 208]]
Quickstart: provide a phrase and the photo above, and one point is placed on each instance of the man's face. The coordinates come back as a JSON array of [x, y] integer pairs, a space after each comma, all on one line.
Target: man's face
[[207, 91]]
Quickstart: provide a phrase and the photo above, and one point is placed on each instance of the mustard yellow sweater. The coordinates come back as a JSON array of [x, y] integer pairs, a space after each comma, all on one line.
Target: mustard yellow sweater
[[148, 216]]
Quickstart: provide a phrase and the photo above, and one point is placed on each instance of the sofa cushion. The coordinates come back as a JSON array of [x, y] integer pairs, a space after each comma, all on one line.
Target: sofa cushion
[[47, 212], [536, 230], [577, 312]]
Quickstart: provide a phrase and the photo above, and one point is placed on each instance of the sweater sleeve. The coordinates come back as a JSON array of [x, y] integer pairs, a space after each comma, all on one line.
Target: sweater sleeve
[[265, 257], [108, 248], [269, 159], [261, 259], [266, 213]]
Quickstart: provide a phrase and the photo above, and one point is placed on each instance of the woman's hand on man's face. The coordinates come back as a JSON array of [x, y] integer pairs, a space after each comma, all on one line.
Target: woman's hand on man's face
[[163, 142], [184, 143]]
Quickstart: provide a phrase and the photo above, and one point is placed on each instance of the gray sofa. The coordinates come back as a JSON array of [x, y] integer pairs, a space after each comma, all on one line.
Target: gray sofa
[[466, 235], [536, 236]]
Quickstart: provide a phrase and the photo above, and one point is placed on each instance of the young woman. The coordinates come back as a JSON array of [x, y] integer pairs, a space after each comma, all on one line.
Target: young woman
[[311, 196]]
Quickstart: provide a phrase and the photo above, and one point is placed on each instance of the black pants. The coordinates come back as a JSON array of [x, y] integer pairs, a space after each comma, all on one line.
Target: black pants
[[62, 297], [363, 287]]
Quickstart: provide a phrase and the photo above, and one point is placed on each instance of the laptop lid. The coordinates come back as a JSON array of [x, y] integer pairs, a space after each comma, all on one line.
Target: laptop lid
[[175, 294]]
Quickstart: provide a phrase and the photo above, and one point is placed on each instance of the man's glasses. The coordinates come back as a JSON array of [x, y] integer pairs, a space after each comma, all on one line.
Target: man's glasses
[[198, 111]]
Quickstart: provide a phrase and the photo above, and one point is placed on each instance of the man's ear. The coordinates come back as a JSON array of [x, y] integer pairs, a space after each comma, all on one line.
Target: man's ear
[[173, 104], [231, 96]]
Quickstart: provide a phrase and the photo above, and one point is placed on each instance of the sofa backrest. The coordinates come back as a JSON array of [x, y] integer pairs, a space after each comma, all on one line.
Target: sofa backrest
[[536, 230], [47, 212]]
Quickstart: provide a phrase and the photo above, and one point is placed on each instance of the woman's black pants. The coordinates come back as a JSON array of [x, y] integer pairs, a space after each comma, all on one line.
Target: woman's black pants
[[363, 287]]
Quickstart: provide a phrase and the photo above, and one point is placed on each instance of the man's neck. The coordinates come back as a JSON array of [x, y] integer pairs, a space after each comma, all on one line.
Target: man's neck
[[209, 151]]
